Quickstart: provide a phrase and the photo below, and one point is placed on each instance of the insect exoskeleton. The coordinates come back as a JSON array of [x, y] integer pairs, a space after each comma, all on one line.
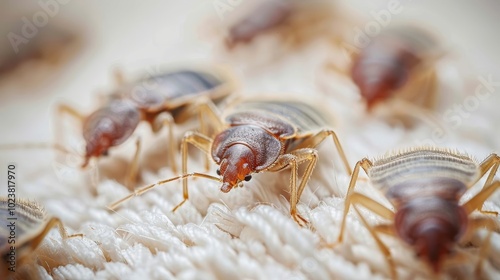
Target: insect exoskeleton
[[254, 136], [400, 62], [160, 99], [52, 47], [295, 22], [395, 71], [425, 184], [26, 225]]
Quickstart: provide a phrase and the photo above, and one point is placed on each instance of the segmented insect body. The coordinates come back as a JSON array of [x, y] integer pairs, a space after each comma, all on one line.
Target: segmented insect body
[[26, 226], [258, 136], [265, 16], [109, 126], [390, 60], [174, 91], [425, 185], [296, 22], [160, 100]]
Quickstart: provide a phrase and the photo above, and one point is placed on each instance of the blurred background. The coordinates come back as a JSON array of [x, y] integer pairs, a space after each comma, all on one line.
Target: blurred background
[[102, 36]]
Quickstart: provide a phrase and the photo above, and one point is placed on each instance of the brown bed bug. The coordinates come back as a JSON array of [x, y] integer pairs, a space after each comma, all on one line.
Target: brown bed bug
[[398, 62], [25, 225], [295, 22], [161, 100], [52, 45], [425, 184], [258, 136]]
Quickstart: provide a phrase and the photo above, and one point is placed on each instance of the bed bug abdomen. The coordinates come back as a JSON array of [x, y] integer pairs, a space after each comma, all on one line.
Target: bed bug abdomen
[[431, 225], [166, 90]]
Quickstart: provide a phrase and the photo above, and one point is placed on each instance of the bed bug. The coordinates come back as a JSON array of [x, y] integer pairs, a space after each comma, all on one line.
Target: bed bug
[[425, 184], [258, 136], [296, 22], [399, 61], [161, 100], [26, 225], [51, 46]]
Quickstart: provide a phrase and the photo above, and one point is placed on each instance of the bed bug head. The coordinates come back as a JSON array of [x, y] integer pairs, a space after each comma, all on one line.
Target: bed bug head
[[376, 81], [432, 226], [96, 145], [236, 166], [108, 127], [241, 151]]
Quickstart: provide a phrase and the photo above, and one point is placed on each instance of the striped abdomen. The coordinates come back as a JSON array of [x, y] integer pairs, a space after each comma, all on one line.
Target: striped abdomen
[[154, 92], [425, 186], [29, 217], [418, 172], [280, 117]]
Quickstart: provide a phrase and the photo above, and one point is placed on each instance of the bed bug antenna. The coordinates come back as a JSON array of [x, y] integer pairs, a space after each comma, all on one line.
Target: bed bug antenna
[[140, 191], [35, 145]]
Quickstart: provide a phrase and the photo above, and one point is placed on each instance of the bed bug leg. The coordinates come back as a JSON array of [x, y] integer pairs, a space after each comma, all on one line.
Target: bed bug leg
[[485, 247], [200, 141], [208, 118], [397, 107], [64, 110], [207, 109], [422, 88], [315, 140], [166, 120], [357, 199], [491, 163], [366, 165], [381, 210], [293, 160], [53, 222], [67, 109], [118, 76], [477, 201], [132, 171]]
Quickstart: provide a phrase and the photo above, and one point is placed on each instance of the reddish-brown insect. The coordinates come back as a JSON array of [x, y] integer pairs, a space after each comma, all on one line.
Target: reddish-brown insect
[[160, 100], [25, 226], [424, 185], [295, 21], [259, 136], [399, 60], [49, 46]]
